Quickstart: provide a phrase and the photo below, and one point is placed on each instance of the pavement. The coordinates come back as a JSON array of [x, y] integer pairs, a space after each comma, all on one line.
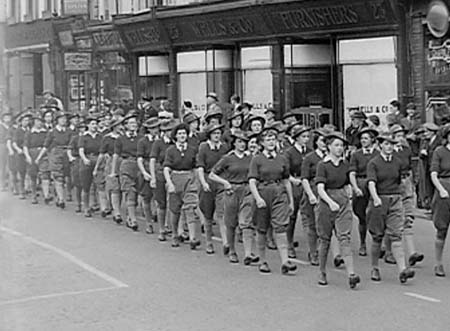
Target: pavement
[[61, 271]]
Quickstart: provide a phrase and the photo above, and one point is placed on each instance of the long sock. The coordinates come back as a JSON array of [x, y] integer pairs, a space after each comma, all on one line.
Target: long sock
[[59, 188], [261, 244], [86, 201], [193, 230], [248, 238], [335, 250], [439, 250], [348, 259], [131, 206], [399, 254], [375, 253], [362, 234], [312, 241], [115, 202], [282, 245], [269, 235], [103, 200], [147, 211], [78, 192], [324, 246], [230, 238], [290, 232], [161, 219], [208, 230], [34, 187], [46, 188], [388, 244], [223, 231], [409, 243], [174, 220]]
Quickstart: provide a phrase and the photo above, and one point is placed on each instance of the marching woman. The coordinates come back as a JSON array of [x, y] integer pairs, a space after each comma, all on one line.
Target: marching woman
[[144, 148], [403, 152], [179, 173], [17, 143], [255, 124], [157, 180], [12, 164], [194, 125], [212, 193], [112, 183], [236, 120], [125, 147], [74, 160], [89, 149], [231, 172], [358, 180], [57, 142], [270, 186], [34, 142], [295, 155], [334, 212], [309, 199], [385, 210], [440, 175]]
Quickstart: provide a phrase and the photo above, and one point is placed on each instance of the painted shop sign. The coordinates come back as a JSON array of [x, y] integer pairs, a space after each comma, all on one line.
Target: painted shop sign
[[77, 61], [146, 34], [107, 40], [26, 34], [74, 7], [438, 61]]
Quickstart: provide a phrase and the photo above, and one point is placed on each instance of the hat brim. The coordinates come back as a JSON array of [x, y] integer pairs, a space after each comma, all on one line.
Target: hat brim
[[330, 136], [307, 129], [380, 139], [372, 132]]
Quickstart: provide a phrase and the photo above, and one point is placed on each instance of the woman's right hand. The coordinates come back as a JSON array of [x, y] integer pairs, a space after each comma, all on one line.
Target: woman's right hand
[[29, 160], [443, 194], [260, 203], [312, 200], [206, 187], [334, 206], [152, 183], [86, 162], [377, 202], [358, 191], [170, 188]]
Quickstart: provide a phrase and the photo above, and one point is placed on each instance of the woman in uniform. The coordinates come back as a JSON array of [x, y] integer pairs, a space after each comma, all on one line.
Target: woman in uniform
[[34, 142], [236, 120], [256, 123], [17, 143], [309, 199], [157, 180], [334, 210], [57, 142], [125, 147], [89, 150], [440, 176], [358, 180], [179, 173], [385, 211], [270, 186], [194, 125], [74, 160], [112, 183], [144, 149], [212, 193], [5, 123], [295, 155], [231, 172]]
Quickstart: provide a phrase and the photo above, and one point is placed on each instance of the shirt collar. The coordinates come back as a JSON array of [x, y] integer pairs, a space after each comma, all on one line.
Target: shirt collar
[[33, 130], [329, 159], [181, 146], [246, 153], [60, 128], [130, 134], [214, 146], [387, 158], [93, 135], [270, 155], [166, 139], [299, 148], [72, 127], [150, 137], [368, 151], [320, 153]]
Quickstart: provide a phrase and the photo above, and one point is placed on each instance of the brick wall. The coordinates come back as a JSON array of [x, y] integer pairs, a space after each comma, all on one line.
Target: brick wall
[[416, 62]]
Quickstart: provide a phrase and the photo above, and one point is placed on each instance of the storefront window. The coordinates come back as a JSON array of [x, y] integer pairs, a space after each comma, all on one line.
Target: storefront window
[[201, 72], [154, 76], [369, 75], [257, 82]]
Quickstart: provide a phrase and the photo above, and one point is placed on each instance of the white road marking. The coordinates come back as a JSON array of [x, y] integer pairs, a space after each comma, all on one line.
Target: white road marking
[[422, 297], [56, 295], [115, 282]]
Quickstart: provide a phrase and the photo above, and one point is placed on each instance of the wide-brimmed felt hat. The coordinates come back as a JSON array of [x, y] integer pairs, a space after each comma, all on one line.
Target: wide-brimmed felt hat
[[129, 116], [37, 118], [269, 128], [118, 112], [235, 113], [251, 135], [214, 112], [247, 104], [212, 95], [23, 115], [289, 114], [374, 133], [81, 125], [91, 118], [187, 103], [48, 92], [178, 127], [167, 125], [397, 128], [358, 114], [211, 128], [430, 126], [256, 118], [190, 117], [298, 130], [270, 110], [73, 115], [322, 131], [6, 113], [113, 123], [239, 134], [280, 126], [152, 122], [59, 114], [445, 131], [386, 136], [336, 135], [411, 105]]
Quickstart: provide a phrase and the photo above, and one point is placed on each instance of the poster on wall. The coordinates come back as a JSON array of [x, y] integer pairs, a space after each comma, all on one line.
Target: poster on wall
[[369, 87], [77, 61]]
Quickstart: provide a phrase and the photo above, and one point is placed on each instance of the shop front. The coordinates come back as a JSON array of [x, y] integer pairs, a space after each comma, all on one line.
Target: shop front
[[286, 55], [29, 63]]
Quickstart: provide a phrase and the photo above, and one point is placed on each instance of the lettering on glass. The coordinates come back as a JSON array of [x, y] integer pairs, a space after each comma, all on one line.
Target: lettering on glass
[[439, 57], [230, 27], [307, 18]]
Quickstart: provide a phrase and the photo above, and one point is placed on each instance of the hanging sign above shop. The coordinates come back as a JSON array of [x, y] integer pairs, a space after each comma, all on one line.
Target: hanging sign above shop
[[142, 35], [77, 61], [26, 34], [438, 61], [107, 40]]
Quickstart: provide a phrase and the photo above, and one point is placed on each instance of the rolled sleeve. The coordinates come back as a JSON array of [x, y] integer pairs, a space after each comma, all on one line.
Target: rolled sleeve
[[372, 172], [118, 146], [201, 156], [220, 166], [254, 169], [435, 162], [321, 173]]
